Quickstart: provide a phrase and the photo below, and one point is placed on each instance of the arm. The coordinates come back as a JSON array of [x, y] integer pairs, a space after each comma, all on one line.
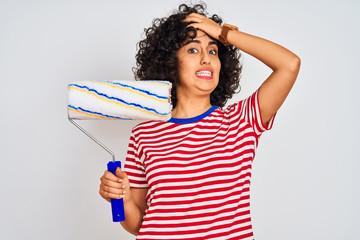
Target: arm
[[134, 199], [134, 211], [285, 64]]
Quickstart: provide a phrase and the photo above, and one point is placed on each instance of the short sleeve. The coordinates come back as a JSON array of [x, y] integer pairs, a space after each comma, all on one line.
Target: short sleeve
[[134, 167], [250, 112]]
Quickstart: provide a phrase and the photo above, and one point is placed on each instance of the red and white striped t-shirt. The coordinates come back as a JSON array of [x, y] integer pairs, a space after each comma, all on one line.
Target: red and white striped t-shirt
[[197, 171]]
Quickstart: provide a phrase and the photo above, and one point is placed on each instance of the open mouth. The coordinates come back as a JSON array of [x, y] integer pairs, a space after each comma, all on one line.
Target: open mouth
[[206, 74]]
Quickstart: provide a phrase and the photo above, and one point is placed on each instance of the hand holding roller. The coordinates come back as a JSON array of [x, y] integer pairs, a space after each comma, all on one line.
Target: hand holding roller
[[125, 100]]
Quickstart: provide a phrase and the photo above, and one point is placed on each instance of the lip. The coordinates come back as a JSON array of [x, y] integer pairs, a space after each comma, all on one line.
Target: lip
[[205, 77]]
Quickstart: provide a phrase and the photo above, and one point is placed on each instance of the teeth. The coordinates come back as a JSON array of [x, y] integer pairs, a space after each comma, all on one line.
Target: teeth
[[204, 73]]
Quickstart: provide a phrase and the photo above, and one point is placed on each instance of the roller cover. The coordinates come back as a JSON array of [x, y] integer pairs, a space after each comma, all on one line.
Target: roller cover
[[120, 99]]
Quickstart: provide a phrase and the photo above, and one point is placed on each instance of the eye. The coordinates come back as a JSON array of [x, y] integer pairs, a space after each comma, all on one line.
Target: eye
[[192, 50], [214, 52]]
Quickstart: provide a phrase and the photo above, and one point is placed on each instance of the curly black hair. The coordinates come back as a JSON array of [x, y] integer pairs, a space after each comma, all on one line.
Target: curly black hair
[[157, 55]]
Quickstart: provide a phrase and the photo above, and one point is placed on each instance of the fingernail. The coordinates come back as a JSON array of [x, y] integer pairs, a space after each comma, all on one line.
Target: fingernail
[[124, 192], [120, 181], [123, 186]]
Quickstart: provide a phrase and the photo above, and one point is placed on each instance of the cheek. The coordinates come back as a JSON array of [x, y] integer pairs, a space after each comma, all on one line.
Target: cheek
[[181, 67], [216, 62], [185, 67], [217, 65]]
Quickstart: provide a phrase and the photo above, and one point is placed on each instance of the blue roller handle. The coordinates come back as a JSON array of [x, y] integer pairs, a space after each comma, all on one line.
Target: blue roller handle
[[117, 205]]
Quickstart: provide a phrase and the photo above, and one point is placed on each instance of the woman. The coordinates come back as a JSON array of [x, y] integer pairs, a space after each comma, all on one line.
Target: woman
[[189, 178]]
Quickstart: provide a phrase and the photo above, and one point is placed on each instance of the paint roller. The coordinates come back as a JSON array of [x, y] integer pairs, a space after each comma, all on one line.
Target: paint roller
[[118, 100]]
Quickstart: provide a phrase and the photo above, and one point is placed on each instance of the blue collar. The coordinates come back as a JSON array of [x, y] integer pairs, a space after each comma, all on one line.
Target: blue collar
[[193, 119]]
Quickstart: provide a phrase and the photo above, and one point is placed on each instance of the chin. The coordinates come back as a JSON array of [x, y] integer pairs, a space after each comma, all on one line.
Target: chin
[[208, 86], [207, 91]]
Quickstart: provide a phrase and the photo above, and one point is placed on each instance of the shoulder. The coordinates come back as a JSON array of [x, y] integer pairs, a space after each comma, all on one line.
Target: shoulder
[[238, 109], [229, 110]]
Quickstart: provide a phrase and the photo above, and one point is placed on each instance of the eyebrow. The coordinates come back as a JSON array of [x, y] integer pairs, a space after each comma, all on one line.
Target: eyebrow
[[197, 41]]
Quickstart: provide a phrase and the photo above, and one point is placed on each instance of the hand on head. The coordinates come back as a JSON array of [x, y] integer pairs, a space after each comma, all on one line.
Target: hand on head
[[204, 24]]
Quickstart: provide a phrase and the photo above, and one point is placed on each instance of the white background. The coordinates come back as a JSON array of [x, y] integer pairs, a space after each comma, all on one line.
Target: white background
[[305, 175]]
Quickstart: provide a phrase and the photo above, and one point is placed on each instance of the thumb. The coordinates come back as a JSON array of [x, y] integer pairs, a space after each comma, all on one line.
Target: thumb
[[120, 173]]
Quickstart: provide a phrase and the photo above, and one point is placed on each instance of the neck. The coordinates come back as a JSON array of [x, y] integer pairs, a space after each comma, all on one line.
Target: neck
[[188, 108]]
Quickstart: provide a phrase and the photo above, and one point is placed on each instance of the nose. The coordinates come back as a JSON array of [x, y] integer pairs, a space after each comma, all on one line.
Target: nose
[[205, 58]]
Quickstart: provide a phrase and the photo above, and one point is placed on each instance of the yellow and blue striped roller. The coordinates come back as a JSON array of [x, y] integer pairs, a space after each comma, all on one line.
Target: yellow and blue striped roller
[[120, 99]]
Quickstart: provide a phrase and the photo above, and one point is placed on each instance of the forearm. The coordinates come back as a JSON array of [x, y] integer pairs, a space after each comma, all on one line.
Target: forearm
[[133, 217], [271, 54]]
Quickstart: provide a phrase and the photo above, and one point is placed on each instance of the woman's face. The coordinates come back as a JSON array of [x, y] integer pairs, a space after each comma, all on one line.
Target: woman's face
[[199, 66]]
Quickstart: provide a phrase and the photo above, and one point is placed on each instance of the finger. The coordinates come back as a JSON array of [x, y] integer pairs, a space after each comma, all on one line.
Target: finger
[[197, 17], [103, 196], [120, 192], [111, 190], [120, 174], [114, 196], [192, 19], [110, 183], [109, 195], [108, 175], [194, 25], [197, 26]]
